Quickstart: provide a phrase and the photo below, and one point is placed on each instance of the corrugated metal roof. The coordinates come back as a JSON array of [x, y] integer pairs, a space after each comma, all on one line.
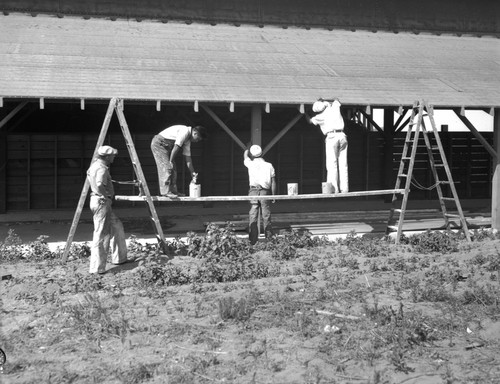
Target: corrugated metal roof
[[71, 57]]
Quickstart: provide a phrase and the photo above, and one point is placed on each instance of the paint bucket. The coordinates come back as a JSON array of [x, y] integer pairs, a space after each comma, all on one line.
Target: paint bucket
[[194, 190], [293, 189], [326, 188]]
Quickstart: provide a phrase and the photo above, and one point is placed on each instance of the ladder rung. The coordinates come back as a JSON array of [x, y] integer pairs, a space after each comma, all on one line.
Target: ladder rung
[[451, 215], [402, 175], [448, 198], [439, 165], [393, 227], [398, 210], [444, 182], [405, 158]]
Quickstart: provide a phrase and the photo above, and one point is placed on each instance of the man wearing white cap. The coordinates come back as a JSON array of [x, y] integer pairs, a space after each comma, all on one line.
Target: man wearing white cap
[[262, 179], [331, 122], [108, 229]]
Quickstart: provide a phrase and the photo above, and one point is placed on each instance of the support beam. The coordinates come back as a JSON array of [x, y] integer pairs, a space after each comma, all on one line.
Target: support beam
[[285, 129], [476, 133], [495, 193], [371, 122], [224, 126], [12, 113], [256, 125]]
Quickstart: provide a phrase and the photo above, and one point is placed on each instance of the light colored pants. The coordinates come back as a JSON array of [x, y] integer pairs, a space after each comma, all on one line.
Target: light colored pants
[[336, 161], [253, 229], [167, 171], [108, 231]]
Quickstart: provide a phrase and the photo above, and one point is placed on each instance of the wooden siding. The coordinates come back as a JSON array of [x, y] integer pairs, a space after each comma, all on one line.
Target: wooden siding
[[48, 171]]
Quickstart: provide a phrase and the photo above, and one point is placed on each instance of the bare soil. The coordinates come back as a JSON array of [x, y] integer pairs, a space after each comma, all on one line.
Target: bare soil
[[332, 314]]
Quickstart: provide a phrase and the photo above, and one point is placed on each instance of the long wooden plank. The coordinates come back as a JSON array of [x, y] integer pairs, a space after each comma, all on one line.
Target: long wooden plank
[[267, 197]]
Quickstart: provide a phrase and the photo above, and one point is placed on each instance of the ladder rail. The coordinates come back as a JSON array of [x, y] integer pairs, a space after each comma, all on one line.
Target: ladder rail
[[435, 173], [424, 110], [402, 166], [86, 185], [409, 173], [140, 175], [449, 176]]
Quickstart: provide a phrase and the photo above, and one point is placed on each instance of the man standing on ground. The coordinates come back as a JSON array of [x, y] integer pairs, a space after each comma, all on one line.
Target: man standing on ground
[[331, 122], [262, 180], [108, 229], [166, 146]]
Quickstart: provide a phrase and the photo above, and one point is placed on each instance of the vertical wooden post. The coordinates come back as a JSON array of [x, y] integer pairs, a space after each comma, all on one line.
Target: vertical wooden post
[[3, 171], [256, 125], [388, 149], [495, 193]]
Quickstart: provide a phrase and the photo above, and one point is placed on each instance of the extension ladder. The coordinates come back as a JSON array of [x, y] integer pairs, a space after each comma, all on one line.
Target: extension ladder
[[437, 160]]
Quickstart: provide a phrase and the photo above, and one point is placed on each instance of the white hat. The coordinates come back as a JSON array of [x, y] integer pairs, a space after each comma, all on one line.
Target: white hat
[[106, 150], [256, 150], [319, 106]]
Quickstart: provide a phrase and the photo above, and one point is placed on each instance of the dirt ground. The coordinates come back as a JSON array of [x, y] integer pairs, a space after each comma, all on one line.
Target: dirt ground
[[353, 311]]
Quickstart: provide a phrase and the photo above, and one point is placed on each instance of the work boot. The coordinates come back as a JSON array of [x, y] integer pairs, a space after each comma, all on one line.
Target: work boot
[[176, 192], [170, 195]]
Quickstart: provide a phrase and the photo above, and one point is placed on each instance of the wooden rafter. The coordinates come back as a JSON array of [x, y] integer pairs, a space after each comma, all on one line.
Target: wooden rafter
[[224, 126], [476, 133]]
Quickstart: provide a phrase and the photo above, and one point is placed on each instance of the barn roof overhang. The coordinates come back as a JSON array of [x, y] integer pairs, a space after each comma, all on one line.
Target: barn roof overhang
[[75, 58]]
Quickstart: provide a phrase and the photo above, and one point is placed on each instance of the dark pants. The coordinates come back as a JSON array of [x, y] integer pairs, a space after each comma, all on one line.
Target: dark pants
[[167, 172], [264, 206]]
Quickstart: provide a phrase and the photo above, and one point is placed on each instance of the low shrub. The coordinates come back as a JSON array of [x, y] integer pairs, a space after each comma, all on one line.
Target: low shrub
[[435, 241], [12, 249]]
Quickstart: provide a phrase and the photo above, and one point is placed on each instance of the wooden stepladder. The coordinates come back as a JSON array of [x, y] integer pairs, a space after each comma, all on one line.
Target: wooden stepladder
[[116, 105], [438, 163]]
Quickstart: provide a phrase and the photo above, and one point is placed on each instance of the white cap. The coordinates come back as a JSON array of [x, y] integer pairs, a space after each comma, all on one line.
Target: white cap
[[106, 150], [319, 106], [256, 150]]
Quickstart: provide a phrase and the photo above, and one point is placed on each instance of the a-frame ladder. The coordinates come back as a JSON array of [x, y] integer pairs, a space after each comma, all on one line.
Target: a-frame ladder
[[437, 160], [116, 105]]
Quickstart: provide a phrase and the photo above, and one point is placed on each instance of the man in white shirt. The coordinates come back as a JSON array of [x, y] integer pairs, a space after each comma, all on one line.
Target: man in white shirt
[[166, 146], [331, 122], [262, 180], [108, 228]]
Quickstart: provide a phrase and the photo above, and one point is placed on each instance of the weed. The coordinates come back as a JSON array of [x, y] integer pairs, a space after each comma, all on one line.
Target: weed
[[156, 273], [239, 310], [92, 318], [365, 246]]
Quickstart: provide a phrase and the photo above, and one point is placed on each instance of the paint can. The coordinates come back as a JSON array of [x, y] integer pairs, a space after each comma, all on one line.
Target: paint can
[[194, 190], [326, 188], [293, 189]]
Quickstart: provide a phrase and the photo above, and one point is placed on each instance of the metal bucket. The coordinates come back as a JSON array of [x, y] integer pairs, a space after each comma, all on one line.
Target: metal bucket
[[293, 189], [194, 190]]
